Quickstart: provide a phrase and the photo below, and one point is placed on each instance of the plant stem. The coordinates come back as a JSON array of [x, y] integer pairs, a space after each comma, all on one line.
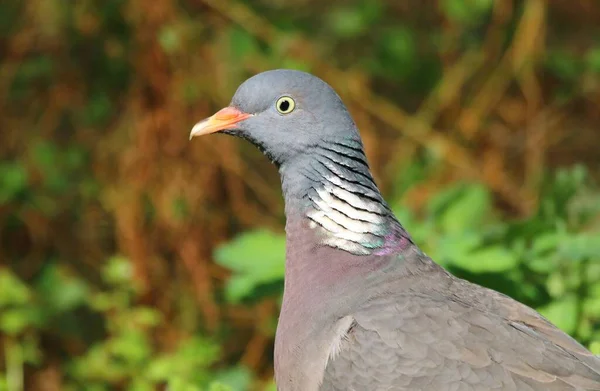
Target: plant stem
[[14, 365]]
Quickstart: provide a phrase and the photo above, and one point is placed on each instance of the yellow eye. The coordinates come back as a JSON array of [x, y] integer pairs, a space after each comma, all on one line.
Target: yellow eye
[[285, 105]]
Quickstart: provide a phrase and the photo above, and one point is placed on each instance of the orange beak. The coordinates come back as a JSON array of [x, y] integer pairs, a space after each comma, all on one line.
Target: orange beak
[[223, 119]]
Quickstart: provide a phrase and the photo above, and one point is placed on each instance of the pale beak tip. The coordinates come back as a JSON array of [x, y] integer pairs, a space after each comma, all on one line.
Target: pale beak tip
[[197, 129]]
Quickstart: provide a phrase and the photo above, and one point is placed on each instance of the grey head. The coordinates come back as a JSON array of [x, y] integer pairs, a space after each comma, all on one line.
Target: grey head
[[285, 113]]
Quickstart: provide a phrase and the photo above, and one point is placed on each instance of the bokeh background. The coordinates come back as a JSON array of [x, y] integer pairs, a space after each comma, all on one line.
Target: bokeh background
[[133, 259]]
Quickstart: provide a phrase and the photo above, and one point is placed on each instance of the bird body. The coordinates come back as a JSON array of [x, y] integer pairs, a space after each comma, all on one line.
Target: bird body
[[363, 307]]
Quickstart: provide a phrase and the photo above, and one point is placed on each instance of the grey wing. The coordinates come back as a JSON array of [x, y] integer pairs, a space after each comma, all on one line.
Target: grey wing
[[423, 342]]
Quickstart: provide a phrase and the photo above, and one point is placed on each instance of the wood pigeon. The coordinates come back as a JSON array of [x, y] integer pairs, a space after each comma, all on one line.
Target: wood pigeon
[[363, 307]]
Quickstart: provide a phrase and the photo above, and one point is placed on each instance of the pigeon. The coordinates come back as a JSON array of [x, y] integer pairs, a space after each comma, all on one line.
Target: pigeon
[[363, 307]]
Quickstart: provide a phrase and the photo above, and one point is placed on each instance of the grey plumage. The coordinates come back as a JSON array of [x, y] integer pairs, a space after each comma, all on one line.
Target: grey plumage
[[363, 307], [453, 335]]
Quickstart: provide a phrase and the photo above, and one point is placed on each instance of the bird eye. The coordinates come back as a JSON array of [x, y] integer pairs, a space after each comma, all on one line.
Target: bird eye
[[285, 105]]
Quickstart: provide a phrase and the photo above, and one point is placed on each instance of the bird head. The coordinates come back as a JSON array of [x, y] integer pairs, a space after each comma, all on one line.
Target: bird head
[[285, 113]]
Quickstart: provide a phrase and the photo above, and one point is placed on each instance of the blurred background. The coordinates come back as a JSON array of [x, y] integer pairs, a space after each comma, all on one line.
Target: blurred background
[[133, 259]]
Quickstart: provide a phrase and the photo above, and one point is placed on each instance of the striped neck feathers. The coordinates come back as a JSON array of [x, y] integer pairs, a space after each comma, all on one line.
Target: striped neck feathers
[[335, 191]]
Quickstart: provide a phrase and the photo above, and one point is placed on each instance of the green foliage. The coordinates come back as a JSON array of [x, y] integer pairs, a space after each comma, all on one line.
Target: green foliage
[[13, 177], [466, 11], [353, 20], [125, 355], [255, 258], [593, 59]]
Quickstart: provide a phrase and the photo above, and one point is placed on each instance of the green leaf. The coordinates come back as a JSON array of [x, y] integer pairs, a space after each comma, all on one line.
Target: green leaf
[[256, 258], [45, 155], [469, 211], [347, 22], [177, 384], [594, 289], [242, 44], [580, 247], [491, 259], [592, 274], [180, 209], [563, 313], [13, 180], [460, 207], [145, 316], [399, 48], [593, 59], [217, 386], [564, 65], [13, 321], [74, 157], [169, 38], [118, 270], [545, 243], [466, 11], [238, 378], [96, 364], [592, 307], [98, 108], [351, 21], [31, 350], [438, 204], [272, 386], [543, 264], [39, 67], [291, 63], [141, 384], [542, 257], [72, 292], [240, 287], [13, 292], [132, 346], [457, 246], [186, 363], [556, 284]]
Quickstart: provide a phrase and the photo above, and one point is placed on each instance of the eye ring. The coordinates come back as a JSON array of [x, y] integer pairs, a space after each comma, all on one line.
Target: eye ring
[[285, 105]]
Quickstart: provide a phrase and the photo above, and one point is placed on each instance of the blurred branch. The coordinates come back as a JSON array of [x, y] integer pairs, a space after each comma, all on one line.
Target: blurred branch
[[528, 34], [198, 269]]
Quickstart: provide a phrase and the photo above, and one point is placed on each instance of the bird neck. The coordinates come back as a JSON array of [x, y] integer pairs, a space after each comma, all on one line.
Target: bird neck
[[331, 187]]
